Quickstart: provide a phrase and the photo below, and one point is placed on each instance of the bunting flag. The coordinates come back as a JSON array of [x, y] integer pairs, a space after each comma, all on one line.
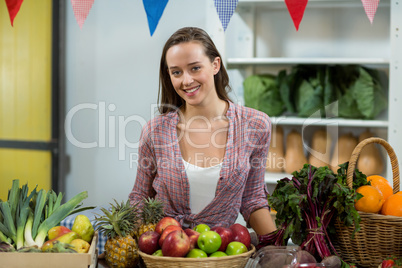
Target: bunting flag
[[296, 10], [13, 7], [225, 9], [370, 7], [81, 10], [154, 10]]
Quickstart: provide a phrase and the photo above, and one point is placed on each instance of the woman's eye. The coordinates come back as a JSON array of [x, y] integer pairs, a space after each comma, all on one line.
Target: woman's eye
[[175, 73], [196, 68]]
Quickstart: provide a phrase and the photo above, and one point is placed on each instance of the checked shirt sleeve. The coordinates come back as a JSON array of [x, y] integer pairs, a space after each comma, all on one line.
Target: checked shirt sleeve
[[255, 192], [146, 169]]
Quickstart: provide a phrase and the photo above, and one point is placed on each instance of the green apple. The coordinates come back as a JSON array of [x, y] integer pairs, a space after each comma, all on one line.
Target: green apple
[[196, 253], [209, 241], [158, 253], [202, 228], [218, 254], [236, 248]]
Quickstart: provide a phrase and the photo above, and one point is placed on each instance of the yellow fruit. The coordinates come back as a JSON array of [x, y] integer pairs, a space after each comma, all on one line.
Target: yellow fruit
[[83, 227], [381, 184], [393, 205], [371, 201], [66, 238], [80, 245]]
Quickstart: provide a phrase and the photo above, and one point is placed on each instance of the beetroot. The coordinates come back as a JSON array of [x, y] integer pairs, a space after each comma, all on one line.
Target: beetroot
[[303, 256], [332, 261]]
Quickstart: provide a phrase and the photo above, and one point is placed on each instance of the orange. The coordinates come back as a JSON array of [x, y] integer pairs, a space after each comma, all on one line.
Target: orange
[[371, 201], [400, 192], [393, 205], [382, 184]]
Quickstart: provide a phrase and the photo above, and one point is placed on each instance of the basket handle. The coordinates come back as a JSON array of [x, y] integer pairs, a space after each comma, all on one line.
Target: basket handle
[[391, 154]]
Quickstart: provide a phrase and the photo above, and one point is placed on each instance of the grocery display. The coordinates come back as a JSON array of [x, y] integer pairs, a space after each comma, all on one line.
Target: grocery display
[[179, 245], [30, 223]]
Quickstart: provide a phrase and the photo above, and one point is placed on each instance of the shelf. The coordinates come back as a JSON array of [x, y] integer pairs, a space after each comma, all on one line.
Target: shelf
[[286, 120], [378, 62], [272, 177]]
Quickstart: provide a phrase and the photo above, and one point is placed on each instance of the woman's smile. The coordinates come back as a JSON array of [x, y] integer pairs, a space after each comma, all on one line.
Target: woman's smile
[[191, 91]]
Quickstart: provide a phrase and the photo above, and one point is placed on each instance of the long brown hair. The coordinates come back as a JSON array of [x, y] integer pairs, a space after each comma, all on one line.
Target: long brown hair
[[168, 99]]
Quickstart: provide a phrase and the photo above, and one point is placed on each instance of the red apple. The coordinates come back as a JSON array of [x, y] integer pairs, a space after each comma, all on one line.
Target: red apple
[[193, 235], [176, 244], [241, 234], [165, 222], [167, 231], [226, 235], [148, 242]]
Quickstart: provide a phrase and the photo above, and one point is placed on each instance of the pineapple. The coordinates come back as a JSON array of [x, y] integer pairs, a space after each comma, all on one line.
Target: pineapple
[[152, 213], [121, 248]]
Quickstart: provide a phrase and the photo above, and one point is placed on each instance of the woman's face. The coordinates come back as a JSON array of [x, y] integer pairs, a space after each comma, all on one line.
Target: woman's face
[[192, 73]]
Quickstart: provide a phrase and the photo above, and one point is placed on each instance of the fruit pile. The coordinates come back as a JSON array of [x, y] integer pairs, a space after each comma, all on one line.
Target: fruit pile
[[379, 198], [170, 239], [78, 239]]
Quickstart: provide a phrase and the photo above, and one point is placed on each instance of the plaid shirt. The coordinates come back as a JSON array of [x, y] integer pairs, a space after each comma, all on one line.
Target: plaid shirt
[[241, 186]]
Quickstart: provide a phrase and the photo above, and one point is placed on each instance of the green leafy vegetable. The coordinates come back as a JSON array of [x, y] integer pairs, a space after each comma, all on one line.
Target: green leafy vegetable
[[307, 206], [262, 93]]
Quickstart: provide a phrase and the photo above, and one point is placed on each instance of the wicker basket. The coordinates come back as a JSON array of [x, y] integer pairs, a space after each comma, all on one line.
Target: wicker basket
[[380, 236], [236, 261]]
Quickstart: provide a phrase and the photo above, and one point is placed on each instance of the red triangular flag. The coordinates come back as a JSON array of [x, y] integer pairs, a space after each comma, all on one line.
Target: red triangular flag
[[370, 7], [13, 7], [81, 10], [296, 10]]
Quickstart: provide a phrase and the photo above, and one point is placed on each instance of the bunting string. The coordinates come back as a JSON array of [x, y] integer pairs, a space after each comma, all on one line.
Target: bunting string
[[154, 10]]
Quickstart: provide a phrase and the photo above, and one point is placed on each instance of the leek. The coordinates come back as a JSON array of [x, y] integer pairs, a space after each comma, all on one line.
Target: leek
[[13, 197], [57, 216], [4, 238], [22, 214], [40, 204], [8, 220], [29, 242]]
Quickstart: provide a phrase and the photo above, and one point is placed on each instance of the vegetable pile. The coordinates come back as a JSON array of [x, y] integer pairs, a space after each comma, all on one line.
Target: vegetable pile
[[307, 206], [308, 89], [26, 217]]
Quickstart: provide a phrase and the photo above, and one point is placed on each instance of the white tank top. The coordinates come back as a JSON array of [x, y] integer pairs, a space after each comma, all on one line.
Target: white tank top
[[203, 182]]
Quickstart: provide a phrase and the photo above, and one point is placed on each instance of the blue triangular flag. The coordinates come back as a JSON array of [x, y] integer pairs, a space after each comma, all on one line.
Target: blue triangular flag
[[225, 9], [154, 10]]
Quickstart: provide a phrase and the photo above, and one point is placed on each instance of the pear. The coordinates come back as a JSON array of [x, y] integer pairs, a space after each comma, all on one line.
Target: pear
[[83, 227]]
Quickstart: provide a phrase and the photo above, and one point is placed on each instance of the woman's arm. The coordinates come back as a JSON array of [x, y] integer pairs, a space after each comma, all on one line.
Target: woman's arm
[[146, 170], [261, 221]]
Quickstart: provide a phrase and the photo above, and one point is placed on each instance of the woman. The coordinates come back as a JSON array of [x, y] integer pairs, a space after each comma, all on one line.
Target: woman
[[204, 156]]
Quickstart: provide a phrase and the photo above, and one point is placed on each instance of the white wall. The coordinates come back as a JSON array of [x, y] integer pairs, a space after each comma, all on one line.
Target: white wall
[[113, 60]]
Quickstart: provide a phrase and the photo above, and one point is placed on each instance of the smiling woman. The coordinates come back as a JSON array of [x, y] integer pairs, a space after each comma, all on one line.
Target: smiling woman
[[205, 155]]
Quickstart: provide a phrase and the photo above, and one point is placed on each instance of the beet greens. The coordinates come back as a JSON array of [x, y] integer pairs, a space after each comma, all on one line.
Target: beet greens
[[307, 206]]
